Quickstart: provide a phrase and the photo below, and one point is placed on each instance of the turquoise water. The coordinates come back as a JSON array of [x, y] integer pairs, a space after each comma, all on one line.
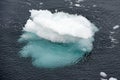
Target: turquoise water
[[47, 54]]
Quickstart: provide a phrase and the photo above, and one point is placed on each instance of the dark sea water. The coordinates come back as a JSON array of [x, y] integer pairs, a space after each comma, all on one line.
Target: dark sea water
[[105, 55]]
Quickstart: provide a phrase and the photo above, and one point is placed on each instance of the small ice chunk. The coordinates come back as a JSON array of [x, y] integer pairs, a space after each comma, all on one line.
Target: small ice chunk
[[56, 10], [116, 27], [71, 3], [103, 74], [112, 78], [113, 39], [94, 5], [112, 32], [41, 3], [77, 5]]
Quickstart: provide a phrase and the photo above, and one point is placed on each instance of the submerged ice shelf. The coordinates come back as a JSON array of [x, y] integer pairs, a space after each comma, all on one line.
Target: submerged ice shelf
[[56, 39]]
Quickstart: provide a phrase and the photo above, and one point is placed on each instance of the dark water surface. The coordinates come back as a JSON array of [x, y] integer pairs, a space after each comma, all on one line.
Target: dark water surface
[[104, 57]]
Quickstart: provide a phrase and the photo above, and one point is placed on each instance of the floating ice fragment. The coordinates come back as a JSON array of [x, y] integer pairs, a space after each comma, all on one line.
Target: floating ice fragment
[[116, 27], [41, 3], [57, 39], [77, 5], [112, 78], [113, 40], [94, 5], [112, 32], [103, 74]]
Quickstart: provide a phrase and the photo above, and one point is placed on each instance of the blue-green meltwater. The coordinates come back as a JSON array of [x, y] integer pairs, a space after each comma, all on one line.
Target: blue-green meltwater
[[56, 39]]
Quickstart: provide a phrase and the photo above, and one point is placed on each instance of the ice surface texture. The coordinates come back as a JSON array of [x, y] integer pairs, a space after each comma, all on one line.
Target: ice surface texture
[[56, 39]]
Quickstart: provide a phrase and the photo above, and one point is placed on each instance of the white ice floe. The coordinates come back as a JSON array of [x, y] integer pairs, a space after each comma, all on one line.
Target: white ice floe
[[116, 27], [112, 32], [113, 40], [59, 26], [71, 3], [74, 3], [44, 30], [112, 78], [103, 74], [94, 5], [77, 5], [41, 3], [104, 77]]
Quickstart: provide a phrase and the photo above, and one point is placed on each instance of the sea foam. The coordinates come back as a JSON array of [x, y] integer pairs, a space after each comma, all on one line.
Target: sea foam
[[56, 39]]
